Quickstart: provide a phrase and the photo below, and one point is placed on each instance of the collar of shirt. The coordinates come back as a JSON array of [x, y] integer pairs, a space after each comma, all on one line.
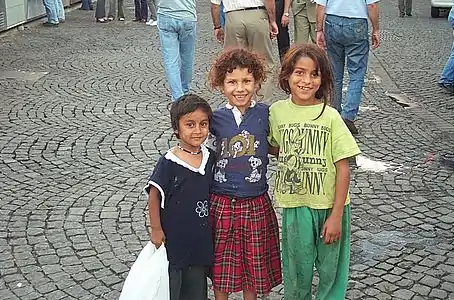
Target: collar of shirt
[[237, 113]]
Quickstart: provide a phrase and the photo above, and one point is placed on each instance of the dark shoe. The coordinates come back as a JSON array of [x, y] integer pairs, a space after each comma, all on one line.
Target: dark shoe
[[351, 126], [409, 15], [401, 15], [62, 21], [143, 21], [92, 8], [48, 24], [136, 20], [449, 88], [83, 8]]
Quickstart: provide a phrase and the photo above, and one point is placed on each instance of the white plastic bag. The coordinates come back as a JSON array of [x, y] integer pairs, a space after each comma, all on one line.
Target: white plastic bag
[[148, 278]]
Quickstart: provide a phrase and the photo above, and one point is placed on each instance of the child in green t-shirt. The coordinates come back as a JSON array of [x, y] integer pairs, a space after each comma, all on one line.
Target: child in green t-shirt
[[313, 146]]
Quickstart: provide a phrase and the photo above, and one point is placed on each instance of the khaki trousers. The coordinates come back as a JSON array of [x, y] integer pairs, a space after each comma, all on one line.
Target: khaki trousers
[[304, 21], [249, 29]]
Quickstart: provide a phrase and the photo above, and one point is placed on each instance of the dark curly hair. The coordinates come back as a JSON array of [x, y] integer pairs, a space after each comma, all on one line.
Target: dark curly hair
[[187, 104], [234, 58], [325, 92]]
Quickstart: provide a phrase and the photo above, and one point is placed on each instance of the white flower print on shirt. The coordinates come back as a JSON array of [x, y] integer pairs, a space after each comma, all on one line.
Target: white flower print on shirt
[[202, 208]]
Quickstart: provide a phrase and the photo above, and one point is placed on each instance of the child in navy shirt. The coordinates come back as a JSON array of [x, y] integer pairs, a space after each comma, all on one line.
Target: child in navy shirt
[[178, 200], [246, 233]]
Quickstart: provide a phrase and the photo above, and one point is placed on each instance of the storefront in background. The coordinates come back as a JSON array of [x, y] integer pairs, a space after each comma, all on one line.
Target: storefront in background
[[16, 12]]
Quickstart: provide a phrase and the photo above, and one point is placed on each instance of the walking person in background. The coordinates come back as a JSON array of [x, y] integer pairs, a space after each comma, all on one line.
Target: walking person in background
[[61, 11], [141, 10], [304, 21], [113, 9], [447, 75], [282, 20], [51, 12], [153, 21], [312, 179], [86, 5], [342, 29], [405, 8], [250, 24], [100, 13], [177, 24]]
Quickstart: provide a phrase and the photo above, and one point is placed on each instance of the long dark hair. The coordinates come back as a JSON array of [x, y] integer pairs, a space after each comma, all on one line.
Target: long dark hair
[[326, 91]]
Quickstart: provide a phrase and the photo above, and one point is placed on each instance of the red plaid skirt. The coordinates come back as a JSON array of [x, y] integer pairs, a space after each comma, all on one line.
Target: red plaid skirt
[[246, 241]]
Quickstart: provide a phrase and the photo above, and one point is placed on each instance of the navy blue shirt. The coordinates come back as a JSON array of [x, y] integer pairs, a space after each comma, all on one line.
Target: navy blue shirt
[[184, 209], [241, 152]]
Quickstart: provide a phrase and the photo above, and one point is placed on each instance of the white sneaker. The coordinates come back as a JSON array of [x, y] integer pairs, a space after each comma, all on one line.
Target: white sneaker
[[152, 22]]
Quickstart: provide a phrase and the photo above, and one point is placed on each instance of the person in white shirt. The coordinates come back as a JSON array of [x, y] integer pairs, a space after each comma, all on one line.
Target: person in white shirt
[[249, 24]]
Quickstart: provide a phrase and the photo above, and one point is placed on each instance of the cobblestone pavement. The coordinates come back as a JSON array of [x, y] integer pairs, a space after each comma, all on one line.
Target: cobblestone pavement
[[84, 116]]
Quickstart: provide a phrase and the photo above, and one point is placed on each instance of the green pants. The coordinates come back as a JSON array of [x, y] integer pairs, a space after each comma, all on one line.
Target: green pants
[[302, 248]]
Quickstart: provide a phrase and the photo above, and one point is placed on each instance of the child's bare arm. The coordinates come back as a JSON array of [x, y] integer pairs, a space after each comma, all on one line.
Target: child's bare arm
[[342, 184], [333, 226], [157, 234], [273, 150]]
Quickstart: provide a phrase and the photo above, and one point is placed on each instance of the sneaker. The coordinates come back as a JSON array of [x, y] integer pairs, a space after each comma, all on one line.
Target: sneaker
[[48, 24], [409, 15], [121, 19], [449, 88], [152, 22], [110, 18], [61, 20], [351, 126]]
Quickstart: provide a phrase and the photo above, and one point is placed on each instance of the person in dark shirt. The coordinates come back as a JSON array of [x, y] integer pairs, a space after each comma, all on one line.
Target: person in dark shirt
[[178, 200]]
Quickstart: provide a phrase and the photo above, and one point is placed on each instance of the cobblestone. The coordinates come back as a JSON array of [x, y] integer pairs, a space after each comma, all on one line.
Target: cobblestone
[[86, 116]]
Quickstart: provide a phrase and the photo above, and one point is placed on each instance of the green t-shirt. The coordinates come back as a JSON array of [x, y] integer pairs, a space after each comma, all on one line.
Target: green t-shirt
[[308, 149]]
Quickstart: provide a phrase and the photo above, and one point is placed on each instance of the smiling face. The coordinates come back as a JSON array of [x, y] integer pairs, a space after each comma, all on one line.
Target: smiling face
[[239, 88], [193, 129], [304, 81]]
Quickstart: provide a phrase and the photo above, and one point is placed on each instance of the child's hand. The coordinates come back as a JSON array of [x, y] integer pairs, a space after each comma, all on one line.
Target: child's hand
[[157, 236], [332, 229]]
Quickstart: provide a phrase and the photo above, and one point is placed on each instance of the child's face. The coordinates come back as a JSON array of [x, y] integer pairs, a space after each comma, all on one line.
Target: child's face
[[304, 82], [193, 129], [239, 88]]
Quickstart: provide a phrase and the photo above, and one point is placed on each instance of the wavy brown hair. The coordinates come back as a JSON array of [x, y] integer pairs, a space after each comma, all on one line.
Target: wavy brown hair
[[234, 58], [326, 91]]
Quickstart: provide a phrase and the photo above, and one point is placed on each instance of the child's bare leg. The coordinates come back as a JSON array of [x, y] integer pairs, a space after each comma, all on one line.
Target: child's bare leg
[[248, 295], [218, 295]]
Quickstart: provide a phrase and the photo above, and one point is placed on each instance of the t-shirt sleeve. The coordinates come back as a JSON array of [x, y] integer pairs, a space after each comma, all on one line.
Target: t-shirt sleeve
[[160, 179], [321, 2], [218, 2], [342, 141], [273, 134]]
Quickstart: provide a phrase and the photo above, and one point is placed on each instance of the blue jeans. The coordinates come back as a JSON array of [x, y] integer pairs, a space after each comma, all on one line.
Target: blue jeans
[[86, 4], [51, 11], [447, 75], [347, 39], [141, 9], [177, 45], [60, 10]]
